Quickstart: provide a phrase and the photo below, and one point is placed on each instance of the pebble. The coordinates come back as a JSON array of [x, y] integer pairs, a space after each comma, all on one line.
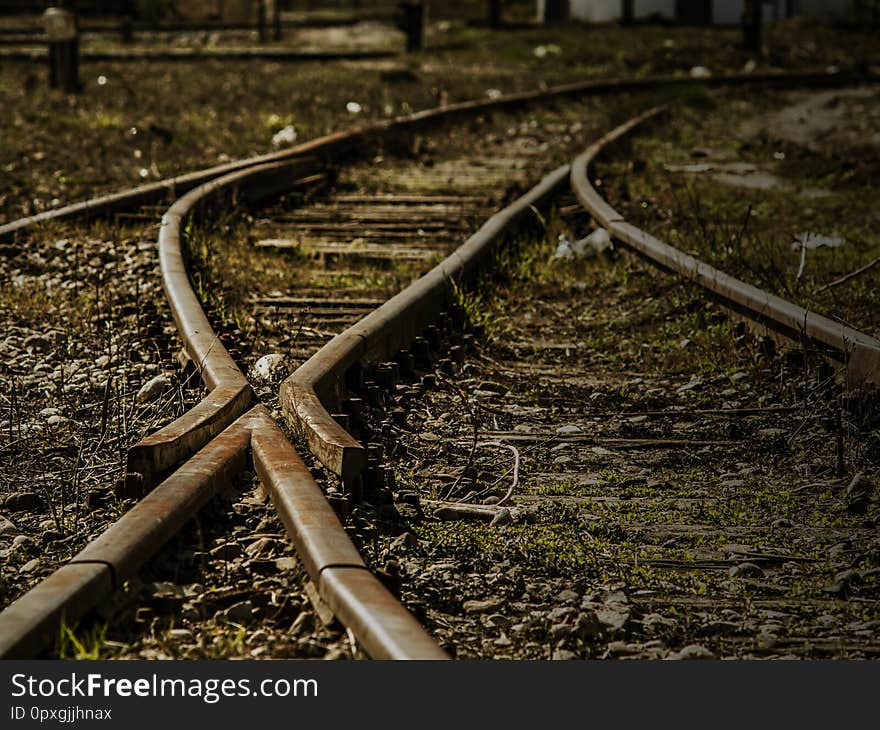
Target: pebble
[[283, 564], [772, 432], [22, 502], [498, 621], [693, 651], [260, 548], [559, 632], [404, 542], [7, 527], [490, 604], [746, 570], [227, 551], [270, 368], [153, 389], [31, 566], [567, 596], [238, 613], [613, 618], [587, 625], [502, 517], [569, 429], [563, 655]]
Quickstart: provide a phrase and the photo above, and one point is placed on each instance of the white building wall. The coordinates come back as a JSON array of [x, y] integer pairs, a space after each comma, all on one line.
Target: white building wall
[[726, 12]]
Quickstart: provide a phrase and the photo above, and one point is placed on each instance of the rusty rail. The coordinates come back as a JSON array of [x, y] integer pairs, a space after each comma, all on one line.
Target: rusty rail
[[317, 388], [336, 143], [859, 352]]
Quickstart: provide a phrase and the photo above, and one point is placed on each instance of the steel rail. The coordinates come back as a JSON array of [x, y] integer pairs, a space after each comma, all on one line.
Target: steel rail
[[337, 142], [317, 388], [859, 352]]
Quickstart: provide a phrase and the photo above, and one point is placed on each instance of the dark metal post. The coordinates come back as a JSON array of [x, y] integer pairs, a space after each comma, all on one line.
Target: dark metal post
[[556, 11], [495, 14], [261, 21], [63, 36], [413, 19], [276, 20], [126, 29], [627, 12], [753, 25]]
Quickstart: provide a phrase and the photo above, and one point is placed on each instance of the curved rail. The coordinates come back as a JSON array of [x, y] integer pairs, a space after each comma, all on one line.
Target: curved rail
[[337, 142], [316, 388], [860, 352]]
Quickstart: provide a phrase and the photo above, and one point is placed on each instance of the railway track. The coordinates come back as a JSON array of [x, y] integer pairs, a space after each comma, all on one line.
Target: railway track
[[417, 220]]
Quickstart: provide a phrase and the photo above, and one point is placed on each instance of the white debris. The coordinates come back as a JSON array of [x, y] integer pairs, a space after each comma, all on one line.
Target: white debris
[[270, 369], [153, 389], [284, 136], [695, 168], [549, 50], [597, 243], [493, 93], [816, 240], [353, 107], [700, 72], [750, 66]]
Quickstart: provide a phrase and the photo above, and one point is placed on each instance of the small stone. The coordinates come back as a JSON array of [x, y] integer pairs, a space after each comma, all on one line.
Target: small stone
[[613, 618], [7, 527], [56, 421], [283, 564], [746, 570], [37, 343], [23, 502], [238, 613], [153, 389], [490, 604], [270, 369], [567, 596], [261, 547], [502, 641], [227, 551], [498, 621], [694, 385], [180, 634], [732, 484], [772, 432], [563, 655], [587, 625], [558, 632], [693, 651], [568, 430], [502, 517], [656, 625], [31, 566], [404, 542], [781, 524]]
